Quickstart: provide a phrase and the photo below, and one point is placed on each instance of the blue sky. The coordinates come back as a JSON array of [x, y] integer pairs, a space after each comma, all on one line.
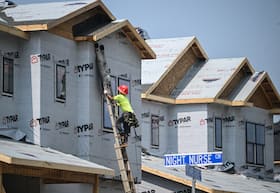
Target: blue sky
[[225, 28]]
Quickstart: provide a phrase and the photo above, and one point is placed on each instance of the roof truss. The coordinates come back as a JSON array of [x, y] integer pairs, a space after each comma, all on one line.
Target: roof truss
[[265, 95]]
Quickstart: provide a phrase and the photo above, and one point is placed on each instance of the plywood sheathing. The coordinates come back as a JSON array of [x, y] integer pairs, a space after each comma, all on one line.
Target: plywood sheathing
[[13, 31], [128, 30], [176, 71]]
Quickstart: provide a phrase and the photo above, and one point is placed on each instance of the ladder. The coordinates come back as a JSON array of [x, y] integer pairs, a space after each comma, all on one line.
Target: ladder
[[120, 149]]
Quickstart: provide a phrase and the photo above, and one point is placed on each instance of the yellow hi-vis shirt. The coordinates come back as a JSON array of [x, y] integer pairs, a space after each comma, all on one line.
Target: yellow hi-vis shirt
[[123, 102]]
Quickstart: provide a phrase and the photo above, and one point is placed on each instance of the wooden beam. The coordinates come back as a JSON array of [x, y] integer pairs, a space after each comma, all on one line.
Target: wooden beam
[[5, 158], [194, 101], [1, 181], [158, 98], [177, 179], [266, 95], [33, 27], [95, 188], [242, 103], [14, 31], [83, 38], [275, 111], [142, 42], [45, 173], [3, 189], [60, 32], [108, 29]]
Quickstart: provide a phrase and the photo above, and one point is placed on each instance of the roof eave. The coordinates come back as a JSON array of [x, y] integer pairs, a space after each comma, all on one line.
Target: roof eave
[[47, 25], [143, 48], [14, 31]]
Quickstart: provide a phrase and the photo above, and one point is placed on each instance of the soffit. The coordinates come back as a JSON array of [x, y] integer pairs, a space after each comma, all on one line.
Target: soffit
[[56, 12]]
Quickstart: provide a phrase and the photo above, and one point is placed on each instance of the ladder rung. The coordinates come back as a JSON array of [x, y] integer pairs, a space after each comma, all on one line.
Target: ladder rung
[[121, 146]]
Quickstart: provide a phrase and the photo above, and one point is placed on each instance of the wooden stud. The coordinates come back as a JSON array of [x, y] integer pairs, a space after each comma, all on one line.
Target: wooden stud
[[2, 189], [33, 27], [96, 185], [1, 180], [60, 32]]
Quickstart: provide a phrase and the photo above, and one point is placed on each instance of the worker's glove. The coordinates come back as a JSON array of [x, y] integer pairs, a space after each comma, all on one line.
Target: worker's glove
[[105, 92]]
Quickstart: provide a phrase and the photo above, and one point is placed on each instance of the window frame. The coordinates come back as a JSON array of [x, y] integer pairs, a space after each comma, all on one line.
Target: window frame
[[60, 80], [105, 114], [216, 133], [10, 91], [258, 147], [155, 130]]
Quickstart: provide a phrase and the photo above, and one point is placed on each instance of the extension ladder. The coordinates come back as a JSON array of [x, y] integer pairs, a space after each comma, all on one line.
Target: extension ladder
[[120, 149]]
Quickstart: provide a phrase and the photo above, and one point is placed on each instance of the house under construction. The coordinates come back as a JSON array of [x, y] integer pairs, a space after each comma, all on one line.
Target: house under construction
[[52, 98]]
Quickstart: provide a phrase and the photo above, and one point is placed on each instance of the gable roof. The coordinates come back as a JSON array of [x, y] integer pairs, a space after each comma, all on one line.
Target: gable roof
[[43, 16], [76, 20], [207, 79], [13, 31], [259, 91], [174, 57], [186, 77], [61, 18], [129, 31]]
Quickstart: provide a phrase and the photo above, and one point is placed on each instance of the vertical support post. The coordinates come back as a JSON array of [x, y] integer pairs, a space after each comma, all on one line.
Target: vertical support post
[[96, 184], [1, 183], [2, 189], [193, 185]]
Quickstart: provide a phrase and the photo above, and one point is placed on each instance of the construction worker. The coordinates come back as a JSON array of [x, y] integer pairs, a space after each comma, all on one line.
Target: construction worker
[[127, 118]]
